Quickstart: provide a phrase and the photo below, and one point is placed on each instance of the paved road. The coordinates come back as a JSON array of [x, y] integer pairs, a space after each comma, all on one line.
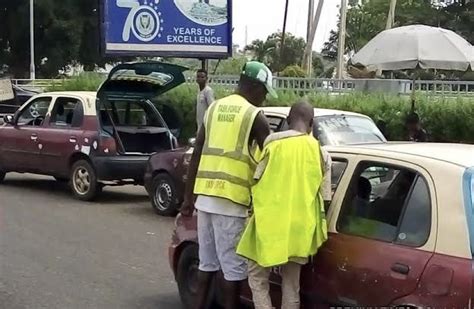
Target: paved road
[[56, 252]]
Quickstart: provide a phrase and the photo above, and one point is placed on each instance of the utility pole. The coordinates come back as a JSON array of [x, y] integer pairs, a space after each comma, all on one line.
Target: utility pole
[[32, 41], [391, 15], [285, 17], [310, 19], [342, 40], [313, 22]]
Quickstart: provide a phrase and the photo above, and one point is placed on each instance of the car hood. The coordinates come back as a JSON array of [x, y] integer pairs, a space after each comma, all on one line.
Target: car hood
[[145, 79]]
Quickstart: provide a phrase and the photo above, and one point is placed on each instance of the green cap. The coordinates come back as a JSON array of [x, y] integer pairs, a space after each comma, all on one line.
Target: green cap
[[261, 73]]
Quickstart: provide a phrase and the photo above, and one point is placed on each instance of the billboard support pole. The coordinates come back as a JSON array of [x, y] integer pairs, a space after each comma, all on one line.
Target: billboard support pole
[[204, 64]]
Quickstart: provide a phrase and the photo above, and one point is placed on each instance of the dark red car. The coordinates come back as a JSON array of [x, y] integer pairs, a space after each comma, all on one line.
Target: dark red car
[[92, 139], [407, 243]]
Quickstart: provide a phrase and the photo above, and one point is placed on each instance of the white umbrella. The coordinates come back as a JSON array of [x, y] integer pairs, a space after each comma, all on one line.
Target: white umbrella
[[416, 46]]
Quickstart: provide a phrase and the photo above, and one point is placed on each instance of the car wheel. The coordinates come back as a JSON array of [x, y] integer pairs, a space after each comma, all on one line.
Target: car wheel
[[163, 195], [187, 278], [83, 181], [2, 176]]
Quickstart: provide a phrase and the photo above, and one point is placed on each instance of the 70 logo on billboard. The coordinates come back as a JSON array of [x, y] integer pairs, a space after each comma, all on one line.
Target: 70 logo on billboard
[[143, 21]]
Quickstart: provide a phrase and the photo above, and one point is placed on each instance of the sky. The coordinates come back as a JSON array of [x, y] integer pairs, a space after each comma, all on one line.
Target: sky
[[264, 17]]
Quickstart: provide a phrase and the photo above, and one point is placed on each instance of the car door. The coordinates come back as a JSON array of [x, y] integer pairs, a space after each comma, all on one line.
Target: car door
[[307, 272], [62, 134], [20, 142], [381, 236]]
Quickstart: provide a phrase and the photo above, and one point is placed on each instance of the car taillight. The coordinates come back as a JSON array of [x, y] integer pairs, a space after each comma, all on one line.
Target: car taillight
[[107, 145], [187, 157]]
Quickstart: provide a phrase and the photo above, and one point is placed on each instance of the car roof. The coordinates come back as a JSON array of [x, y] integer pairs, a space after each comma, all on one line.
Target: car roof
[[459, 154], [85, 94], [285, 111]]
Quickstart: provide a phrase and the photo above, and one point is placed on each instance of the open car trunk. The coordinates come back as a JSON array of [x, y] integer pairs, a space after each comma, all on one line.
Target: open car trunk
[[145, 140], [126, 109]]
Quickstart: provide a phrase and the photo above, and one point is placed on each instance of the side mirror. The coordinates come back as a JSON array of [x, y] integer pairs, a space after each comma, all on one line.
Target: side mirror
[[192, 142], [8, 119]]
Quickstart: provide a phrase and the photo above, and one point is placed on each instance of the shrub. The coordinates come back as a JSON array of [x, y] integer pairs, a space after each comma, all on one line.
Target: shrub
[[445, 119], [293, 71]]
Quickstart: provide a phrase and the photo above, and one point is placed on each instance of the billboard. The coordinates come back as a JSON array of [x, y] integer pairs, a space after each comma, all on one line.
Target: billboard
[[171, 28]]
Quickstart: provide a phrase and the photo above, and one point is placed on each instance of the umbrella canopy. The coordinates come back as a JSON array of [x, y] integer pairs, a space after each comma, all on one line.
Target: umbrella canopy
[[416, 46]]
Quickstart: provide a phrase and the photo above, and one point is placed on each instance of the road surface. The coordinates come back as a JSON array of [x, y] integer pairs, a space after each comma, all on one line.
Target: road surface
[[56, 252]]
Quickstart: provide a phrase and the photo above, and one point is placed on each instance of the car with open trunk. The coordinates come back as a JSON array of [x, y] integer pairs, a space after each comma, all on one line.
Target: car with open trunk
[[93, 139]]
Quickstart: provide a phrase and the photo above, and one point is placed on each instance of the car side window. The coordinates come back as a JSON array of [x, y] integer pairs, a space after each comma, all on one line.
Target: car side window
[[416, 223], [337, 170], [67, 112], [275, 123], [387, 203], [34, 113]]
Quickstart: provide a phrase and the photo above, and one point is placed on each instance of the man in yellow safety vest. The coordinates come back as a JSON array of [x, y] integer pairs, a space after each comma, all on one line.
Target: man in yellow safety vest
[[288, 225], [220, 174]]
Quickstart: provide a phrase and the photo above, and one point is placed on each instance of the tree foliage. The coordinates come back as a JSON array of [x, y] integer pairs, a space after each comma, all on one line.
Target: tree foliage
[[270, 52], [66, 33], [367, 18]]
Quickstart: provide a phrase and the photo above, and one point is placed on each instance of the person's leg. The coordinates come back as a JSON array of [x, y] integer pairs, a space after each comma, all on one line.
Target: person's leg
[[208, 261], [290, 287], [227, 231], [232, 294], [204, 285], [260, 285]]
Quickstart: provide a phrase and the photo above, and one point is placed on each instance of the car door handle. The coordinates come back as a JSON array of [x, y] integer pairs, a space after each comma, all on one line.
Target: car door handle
[[401, 268], [34, 137], [73, 140]]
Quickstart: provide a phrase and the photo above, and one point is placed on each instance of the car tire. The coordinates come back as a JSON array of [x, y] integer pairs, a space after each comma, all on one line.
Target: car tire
[[2, 176], [83, 181], [163, 195], [186, 277]]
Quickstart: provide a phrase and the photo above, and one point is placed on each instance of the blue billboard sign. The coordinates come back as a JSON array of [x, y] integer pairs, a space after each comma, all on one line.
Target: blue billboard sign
[[173, 28]]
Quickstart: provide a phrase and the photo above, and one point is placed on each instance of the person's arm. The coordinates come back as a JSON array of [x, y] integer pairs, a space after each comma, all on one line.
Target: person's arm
[[326, 188], [260, 130], [209, 96], [188, 204]]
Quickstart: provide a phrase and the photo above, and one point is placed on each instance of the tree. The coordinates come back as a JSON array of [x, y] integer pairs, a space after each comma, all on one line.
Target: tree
[[318, 65], [368, 18], [270, 52], [259, 49]]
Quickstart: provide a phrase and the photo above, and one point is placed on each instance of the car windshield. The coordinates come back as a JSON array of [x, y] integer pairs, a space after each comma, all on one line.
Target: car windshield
[[346, 130]]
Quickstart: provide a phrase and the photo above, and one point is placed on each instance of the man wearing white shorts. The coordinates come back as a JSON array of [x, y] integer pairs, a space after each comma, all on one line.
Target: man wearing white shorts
[[220, 174]]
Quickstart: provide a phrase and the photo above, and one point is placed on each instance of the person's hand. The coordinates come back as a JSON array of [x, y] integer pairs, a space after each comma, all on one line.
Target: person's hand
[[187, 208]]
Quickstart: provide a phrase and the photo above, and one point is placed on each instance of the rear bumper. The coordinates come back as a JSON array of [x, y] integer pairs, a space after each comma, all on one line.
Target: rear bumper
[[121, 167]]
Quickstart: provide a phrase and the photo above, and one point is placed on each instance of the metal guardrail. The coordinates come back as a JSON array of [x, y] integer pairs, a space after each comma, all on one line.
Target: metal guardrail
[[315, 85]]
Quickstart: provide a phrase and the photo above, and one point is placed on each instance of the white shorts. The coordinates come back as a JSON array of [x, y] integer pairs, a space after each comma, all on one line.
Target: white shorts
[[218, 237]]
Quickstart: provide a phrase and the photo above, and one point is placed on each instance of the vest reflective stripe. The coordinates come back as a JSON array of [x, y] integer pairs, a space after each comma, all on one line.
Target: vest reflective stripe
[[226, 168], [220, 175]]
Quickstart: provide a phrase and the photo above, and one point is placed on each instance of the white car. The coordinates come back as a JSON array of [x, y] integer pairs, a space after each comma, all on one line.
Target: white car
[[331, 127]]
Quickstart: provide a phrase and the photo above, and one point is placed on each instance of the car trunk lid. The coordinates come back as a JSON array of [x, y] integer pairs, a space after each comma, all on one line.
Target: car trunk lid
[[137, 84], [144, 80]]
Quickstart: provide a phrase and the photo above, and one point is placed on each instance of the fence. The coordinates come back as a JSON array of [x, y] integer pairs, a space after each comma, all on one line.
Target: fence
[[332, 86]]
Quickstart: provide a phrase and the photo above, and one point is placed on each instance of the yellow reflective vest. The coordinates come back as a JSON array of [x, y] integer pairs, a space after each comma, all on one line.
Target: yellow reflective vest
[[226, 167], [288, 220]]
